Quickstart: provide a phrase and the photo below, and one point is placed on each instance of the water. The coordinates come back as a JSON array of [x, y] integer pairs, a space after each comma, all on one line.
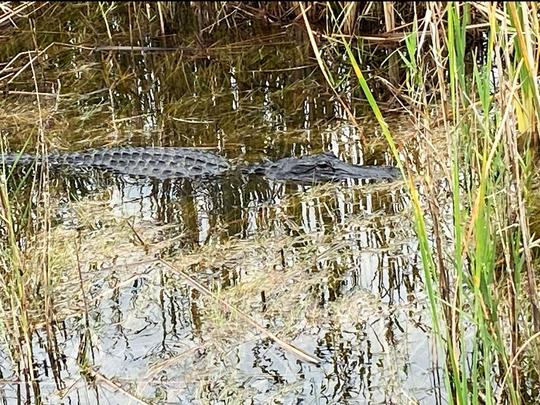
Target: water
[[332, 269]]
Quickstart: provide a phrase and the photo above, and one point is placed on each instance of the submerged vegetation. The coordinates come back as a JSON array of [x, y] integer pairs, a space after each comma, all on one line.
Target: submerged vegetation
[[253, 292]]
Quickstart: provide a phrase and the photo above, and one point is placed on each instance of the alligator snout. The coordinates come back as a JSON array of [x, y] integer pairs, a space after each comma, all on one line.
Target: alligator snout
[[323, 167]]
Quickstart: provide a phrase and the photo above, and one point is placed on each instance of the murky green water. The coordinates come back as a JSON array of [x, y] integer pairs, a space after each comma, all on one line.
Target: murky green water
[[332, 269]]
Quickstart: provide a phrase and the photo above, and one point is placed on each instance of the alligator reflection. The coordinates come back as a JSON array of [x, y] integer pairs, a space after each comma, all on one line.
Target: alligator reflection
[[227, 205]]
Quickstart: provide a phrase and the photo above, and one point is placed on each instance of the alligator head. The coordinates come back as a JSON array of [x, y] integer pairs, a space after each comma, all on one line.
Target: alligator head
[[322, 167]]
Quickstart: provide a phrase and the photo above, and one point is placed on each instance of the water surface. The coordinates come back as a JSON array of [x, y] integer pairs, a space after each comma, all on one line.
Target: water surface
[[330, 268]]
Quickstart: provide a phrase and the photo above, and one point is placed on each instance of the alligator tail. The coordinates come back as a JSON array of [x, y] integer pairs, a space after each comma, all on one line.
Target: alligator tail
[[11, 159], [26, 159]]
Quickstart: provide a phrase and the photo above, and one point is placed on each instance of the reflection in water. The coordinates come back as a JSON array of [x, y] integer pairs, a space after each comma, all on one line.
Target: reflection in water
[[346, 242], [235, 202]]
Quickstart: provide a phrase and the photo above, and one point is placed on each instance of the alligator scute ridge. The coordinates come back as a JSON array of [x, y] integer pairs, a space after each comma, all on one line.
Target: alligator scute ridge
[[182, 162]]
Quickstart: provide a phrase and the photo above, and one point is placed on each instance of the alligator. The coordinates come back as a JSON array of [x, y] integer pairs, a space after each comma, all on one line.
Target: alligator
[[179, 162]]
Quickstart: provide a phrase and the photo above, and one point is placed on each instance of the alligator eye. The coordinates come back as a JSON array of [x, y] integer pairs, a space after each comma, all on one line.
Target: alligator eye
[[324, 165]]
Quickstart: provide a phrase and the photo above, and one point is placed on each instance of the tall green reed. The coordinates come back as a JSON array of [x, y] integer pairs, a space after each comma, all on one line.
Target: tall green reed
[[474, 299]]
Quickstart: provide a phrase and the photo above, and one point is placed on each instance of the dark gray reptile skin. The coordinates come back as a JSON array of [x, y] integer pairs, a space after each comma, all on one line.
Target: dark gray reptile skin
[[171, 162], [139, 161]]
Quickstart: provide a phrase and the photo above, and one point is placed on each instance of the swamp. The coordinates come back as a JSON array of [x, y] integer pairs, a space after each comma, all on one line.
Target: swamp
[[248, 288]]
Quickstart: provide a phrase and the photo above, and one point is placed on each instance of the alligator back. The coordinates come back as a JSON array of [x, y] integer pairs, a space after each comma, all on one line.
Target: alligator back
[[138, 161]]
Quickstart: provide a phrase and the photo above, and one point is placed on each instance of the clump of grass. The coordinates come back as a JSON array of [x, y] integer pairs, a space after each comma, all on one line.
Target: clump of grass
[[23, 281], [481, 285]]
